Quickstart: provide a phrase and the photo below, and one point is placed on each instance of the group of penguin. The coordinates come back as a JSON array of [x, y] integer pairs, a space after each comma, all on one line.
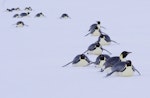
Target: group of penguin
[[23, 14], [116, 65], [27, 13]]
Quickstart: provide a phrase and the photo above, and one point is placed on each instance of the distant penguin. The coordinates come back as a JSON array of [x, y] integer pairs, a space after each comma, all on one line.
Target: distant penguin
[[95, 49], [124, 69], [39, 14], [9, 10], [64, 16], [28, 9], [95, 32], [20, 24], [80, 60], [24, 14], [16, 16], [17, 9], [104, 39], [113, 60], [100, 60]]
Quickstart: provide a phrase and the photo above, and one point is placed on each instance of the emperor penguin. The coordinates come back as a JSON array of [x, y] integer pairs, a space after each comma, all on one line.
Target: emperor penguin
[[94, 32], [113, 60], [80, 60], [98, 24], [20, 24], [39, 14], [100, 60], [24, 14], [95, 49], [104, 39], [28, 9], [64, 16], [124, 69]]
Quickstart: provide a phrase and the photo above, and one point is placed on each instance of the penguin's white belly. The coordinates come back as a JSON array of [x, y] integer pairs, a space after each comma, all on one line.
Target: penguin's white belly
[[103, 42], [20, 25], [100, 65], [127, 73], [81, 63], [96, 33], [97, 51]]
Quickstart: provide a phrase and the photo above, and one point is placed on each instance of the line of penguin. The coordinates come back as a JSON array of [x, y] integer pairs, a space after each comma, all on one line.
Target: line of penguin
[[116, 65], [26, 12]]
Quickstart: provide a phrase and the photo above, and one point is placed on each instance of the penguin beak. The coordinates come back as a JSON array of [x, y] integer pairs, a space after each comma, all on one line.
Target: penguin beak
[[129, 52]]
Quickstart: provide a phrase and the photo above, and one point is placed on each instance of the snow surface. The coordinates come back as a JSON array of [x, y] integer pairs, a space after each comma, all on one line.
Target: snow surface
[[31, 57]]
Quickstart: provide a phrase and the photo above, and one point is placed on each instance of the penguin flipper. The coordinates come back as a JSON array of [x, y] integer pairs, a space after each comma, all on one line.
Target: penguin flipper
[[107, 51], [115, 42], [87, 34], [110, 73], [134, 69], [67, 64]]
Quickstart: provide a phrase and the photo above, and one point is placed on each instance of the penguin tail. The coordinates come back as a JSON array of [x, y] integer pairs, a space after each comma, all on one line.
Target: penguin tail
[[86, 34]]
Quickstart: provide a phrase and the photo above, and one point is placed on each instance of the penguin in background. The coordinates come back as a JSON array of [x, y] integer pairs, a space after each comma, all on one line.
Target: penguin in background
[[40, 15], [64, 16], [113, 60], [104, 39], [80, 60], [95, 49], [20, 24], [16, 16], [24, 14], [123, 69], [28, 9]]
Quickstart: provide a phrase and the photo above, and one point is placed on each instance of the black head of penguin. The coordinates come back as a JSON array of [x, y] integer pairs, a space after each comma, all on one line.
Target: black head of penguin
[[28, 13], [101, 36], [125, 53], [128, 63], [98, 22], [102, 57], [97, 44], [82, 56]]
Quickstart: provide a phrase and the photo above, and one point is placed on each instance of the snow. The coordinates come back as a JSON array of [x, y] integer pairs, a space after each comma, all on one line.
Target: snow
[[31, 57]]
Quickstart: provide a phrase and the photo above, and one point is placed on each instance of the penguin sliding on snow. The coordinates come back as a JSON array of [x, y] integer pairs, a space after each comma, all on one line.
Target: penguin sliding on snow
[[20, 24], [96, 25], [100, 60], [80, 60], [24, 14], [113, 60], [64, 16], [104, 39], [16, 16], [39, 15], [28, 9], [95, 49], [95, 32], [125, 69]]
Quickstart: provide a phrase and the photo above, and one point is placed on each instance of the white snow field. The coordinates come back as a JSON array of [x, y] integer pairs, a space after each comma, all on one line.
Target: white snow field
[[31, 57]]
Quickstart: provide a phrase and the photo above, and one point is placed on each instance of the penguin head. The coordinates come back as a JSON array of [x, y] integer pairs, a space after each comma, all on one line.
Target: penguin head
[[102, 36], [82, 56], [129, 63], [97, 44], [28, 13], [124, 54], [102, 57], [98, 22]]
